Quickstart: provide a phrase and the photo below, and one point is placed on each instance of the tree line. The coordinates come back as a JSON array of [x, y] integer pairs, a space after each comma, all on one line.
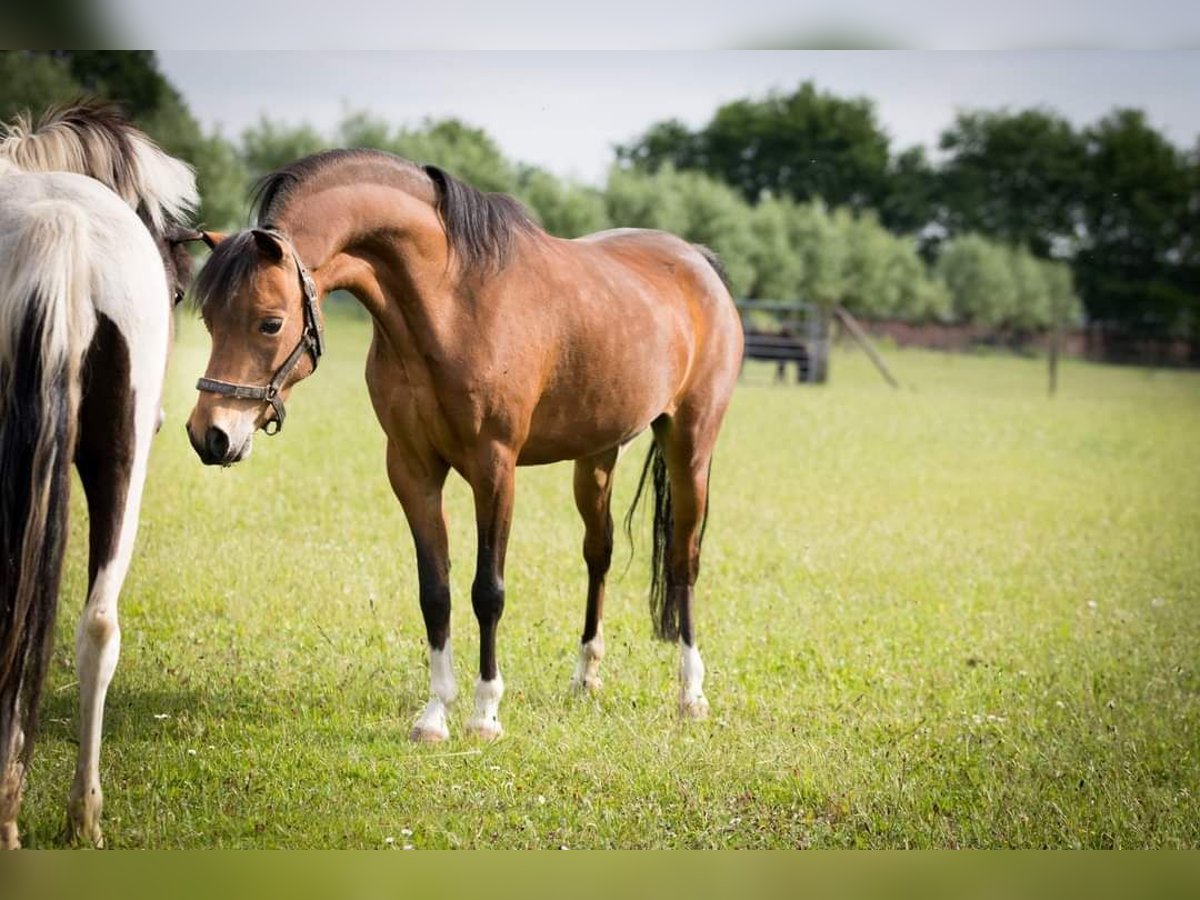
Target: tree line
[[1020, 218]]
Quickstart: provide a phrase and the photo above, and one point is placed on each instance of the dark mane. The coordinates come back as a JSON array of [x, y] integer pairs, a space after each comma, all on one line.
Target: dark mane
[[479, 225]]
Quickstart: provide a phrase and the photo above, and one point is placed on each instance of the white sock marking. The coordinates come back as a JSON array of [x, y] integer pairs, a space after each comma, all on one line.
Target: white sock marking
[[444, 689], [587, 668], [486, 721], [691, 682]]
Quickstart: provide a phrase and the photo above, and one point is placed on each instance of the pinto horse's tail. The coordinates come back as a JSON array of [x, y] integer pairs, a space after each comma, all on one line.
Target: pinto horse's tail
[[46, 322]]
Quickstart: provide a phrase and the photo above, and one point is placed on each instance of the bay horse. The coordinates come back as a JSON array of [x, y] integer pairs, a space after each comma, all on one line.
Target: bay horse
[[494, 345], [92, 230]]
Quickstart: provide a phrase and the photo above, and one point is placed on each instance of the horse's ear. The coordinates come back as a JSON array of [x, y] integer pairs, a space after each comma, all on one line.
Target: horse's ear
[[268, 245], [187, 236]]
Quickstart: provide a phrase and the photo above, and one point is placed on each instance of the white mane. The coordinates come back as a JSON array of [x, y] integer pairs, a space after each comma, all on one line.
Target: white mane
[[98, 142]]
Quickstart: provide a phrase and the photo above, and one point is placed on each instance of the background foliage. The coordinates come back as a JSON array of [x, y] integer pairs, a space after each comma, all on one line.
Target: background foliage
[[1023, 222]]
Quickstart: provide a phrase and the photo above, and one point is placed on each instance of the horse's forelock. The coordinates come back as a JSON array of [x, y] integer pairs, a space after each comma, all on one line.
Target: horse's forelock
[[228, 269]]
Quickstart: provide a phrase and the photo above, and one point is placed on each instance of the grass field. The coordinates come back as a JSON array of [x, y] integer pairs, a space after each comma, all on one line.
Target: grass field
[[958, 615]]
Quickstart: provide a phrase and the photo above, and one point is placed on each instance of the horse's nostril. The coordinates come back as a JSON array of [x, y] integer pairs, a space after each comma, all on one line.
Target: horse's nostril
[[216, 442]]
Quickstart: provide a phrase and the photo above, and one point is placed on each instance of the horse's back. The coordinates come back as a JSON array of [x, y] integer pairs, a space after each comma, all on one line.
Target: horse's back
[[128, 265], [125, 278], [635, 322], [686, 273]]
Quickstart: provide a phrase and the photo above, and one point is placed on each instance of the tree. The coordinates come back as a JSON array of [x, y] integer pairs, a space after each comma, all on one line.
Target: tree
[[692, 206], [565, 210], [466, 152], [871, 288], [1017, 177], [1062, 302], [980, 280], [32, 81], [270, 145], [778, 265], [1139, 196], [919, 297], [1031, 310], [911, 201], [818, 237], [802, 145], [669, 142]]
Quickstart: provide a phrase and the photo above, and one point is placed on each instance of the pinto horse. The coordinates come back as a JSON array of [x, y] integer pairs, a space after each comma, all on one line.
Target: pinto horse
[[495, 345], [91, 257]]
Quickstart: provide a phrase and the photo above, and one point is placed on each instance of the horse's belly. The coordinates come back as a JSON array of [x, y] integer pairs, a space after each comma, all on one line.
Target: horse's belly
[[594, 408], [544, 448]]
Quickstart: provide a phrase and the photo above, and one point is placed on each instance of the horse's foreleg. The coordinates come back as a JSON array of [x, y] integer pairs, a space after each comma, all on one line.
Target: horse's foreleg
[[418, 485], [492, 480], [593, 492], [12, 783], [112, 468]]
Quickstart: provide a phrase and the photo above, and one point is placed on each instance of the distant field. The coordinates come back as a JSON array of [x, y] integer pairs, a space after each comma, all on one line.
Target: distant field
[[960, 615]]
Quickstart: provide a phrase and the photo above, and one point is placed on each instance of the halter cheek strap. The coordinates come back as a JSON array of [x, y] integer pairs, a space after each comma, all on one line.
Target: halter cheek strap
[[312, 342]]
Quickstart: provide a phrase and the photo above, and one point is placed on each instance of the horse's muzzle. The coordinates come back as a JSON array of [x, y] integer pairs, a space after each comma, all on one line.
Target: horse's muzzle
[[213, 447]]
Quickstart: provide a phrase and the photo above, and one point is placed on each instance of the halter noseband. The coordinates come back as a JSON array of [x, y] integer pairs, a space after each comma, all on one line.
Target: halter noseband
[[312, 342]]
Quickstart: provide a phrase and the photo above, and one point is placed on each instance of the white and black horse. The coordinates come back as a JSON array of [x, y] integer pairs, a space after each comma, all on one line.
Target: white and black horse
[[92, 218]]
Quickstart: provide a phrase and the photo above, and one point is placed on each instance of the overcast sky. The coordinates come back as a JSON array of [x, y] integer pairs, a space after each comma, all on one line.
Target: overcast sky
[[565, 111]]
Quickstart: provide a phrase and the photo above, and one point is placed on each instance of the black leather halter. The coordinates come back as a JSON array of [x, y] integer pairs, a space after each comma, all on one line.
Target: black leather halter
[[312, 342]]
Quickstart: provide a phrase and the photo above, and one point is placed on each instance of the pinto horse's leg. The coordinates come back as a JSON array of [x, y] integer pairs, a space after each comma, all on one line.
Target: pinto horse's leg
[[492, 481], [593, 492], [417, 483], [111, 458], [12, 783]]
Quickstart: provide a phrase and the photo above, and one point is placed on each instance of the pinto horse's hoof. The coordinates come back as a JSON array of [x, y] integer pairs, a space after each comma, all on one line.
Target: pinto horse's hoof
[[693, 708], [485, 729], [9, 838], [424, 734], [83, 834], [588, 684]]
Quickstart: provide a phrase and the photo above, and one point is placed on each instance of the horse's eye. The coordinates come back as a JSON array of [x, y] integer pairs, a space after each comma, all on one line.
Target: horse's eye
[[270, 326], [178, 296]]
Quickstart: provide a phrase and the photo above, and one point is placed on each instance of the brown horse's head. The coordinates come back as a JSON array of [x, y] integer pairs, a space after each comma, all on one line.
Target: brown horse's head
[[252, 298]]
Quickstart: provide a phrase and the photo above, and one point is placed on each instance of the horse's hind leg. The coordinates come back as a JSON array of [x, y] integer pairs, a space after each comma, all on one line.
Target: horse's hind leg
[[688, 451], [593, 493], [111, 458], [492, 479]]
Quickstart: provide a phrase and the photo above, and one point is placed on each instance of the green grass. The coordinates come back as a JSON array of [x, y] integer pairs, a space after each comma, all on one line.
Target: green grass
[[958, 615]]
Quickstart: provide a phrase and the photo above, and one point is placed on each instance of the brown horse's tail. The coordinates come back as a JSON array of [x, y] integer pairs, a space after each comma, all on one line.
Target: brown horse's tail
[[664, 611], [45, 321]]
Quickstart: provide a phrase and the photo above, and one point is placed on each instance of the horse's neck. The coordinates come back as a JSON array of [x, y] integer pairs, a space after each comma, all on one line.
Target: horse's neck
[[387, 248]]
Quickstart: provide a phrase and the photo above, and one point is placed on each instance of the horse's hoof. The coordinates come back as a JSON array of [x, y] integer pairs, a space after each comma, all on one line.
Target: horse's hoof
[[84, 834], [427, 734], [10, 839], [589, 684], [83, 820], [693, 708], [485, 729]]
